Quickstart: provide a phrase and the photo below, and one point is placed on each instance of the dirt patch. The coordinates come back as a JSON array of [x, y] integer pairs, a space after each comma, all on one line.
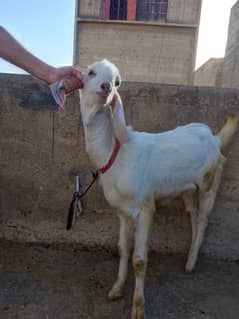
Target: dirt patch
[[55, 283]]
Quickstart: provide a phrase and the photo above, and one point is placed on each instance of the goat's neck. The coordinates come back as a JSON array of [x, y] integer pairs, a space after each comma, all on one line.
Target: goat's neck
[[99, 135]]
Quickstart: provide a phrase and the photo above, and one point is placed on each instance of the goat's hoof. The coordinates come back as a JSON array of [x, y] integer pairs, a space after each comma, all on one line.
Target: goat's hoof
[[138, 311], [115, 293], [189, 266]]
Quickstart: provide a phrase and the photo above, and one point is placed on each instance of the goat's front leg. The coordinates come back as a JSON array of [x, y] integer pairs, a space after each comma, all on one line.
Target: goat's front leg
[[124, 247], [140, 259]]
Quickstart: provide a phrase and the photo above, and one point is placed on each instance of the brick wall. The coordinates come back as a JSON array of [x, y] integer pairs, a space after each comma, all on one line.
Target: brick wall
[[131, 10]]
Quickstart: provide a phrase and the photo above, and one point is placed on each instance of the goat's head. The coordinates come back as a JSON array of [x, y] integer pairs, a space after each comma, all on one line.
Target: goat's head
[[101, 80]]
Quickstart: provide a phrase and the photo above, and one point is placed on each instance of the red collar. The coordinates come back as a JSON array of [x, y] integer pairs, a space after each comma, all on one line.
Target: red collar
[[112, 158]]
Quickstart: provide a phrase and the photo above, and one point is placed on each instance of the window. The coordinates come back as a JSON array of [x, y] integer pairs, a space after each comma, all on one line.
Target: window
[[152, 10], [118, 9], [89, 8]]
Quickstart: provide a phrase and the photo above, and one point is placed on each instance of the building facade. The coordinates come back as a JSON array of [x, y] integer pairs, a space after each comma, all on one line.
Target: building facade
[[149, 40], [210, 73], [224, 71], [231, 61]]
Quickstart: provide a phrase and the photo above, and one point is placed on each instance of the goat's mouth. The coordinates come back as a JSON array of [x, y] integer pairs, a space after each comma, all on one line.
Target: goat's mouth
[[103, 94]]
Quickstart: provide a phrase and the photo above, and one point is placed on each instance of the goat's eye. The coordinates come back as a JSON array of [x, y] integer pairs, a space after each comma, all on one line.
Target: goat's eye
[[91, 73], [117, 82]]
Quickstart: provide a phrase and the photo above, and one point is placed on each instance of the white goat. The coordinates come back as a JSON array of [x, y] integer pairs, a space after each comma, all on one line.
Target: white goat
[[184, 162]]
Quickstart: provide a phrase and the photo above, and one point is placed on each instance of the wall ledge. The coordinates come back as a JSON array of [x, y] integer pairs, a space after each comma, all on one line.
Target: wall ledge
[[140, 23]]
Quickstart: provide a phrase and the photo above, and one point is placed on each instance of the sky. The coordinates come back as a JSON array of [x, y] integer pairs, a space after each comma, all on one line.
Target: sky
[[213, 29], [46, 29]]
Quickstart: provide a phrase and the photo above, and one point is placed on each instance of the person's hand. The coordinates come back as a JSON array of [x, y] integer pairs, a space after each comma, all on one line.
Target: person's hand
[[77, 72], [57, 74], [63, 81]]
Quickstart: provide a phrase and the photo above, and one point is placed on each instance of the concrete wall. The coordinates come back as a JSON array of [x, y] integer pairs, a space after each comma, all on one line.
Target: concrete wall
[[210, 73], [231, 65], [144, 53], [184, 11], [41, 150], [89, 8]]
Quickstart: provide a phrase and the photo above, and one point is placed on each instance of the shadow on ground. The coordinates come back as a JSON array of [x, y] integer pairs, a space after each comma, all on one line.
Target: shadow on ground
[[55, 283]]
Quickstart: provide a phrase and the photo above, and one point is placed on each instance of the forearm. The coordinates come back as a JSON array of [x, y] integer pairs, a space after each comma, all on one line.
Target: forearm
[[14, 52]]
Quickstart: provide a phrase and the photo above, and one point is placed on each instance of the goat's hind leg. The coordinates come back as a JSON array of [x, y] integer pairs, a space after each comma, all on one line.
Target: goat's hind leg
[[124, 247], [206, 204], [207, 195], [191, 203]]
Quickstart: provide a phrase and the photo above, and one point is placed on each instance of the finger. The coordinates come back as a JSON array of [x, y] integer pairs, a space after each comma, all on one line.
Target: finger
[[77, 71]]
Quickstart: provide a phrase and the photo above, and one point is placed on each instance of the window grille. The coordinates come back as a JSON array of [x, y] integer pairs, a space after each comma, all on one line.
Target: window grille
[[152, 10]]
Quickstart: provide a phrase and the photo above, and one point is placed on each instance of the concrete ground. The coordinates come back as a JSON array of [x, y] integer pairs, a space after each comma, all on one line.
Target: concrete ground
[[55, 283]]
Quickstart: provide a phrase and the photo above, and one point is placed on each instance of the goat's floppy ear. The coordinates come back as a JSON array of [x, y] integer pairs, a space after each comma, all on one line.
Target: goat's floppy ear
[[83, 78], [118, 119]]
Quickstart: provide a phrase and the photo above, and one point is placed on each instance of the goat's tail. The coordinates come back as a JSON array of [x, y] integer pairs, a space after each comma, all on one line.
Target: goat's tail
[[228, 130]]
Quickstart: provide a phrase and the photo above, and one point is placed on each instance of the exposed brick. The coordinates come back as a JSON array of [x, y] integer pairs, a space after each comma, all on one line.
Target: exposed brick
[[105, 9], [131, 10]]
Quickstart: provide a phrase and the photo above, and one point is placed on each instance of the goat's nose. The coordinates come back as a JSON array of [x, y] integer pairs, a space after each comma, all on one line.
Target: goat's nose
[[106, 87]]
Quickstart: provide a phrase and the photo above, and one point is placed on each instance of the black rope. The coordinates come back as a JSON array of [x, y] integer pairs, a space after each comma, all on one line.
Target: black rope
[[77, 196], [95, 176]]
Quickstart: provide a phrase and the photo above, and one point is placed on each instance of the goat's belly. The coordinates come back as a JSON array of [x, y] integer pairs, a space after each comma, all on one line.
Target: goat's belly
[[175, 160], [180, 175], [173, 187], [173, 174]]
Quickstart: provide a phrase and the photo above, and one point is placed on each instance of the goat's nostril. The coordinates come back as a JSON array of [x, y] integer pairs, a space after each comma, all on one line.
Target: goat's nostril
[[106, 86]]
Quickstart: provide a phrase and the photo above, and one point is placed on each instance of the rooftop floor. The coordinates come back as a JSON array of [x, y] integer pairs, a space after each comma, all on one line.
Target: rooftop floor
[[47, 283]]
